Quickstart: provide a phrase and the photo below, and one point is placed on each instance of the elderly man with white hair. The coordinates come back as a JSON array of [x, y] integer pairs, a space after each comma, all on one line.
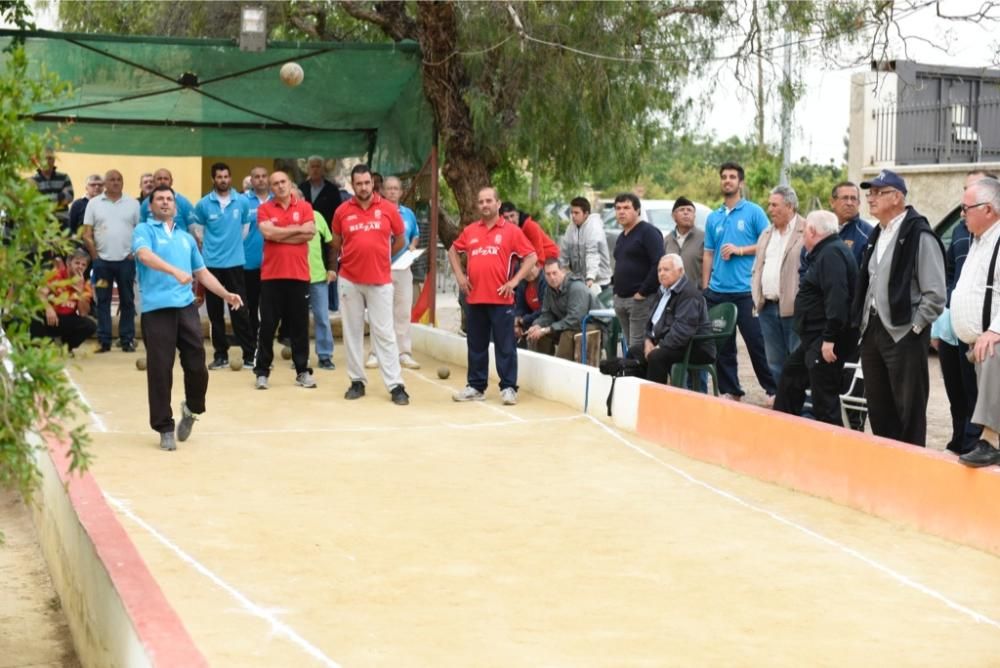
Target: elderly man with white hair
[[975, 313], [822, 321], [678, 313]]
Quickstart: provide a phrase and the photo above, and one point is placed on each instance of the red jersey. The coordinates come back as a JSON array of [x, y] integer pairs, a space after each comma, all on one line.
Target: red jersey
[[490, 253], [65, 298], [288, 261], [545, 248], [367, 239]]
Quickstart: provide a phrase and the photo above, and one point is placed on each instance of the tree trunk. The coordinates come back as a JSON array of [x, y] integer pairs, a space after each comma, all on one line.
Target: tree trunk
[[464, 169]]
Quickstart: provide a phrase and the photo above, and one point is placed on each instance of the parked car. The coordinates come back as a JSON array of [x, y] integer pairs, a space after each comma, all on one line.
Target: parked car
[[946, 226], [659, 212]]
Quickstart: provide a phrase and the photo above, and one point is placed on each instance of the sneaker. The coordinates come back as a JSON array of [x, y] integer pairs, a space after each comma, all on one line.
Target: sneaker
[[248, 363], [508, 396], [355, 391], [468, 394], [406, 361], [326, 364], [983, 454], [128, 346], [399, 396], [371, 362], [261, 383], [187, 422], [305, 379], [102, 348], [167, 441], [218, 363]]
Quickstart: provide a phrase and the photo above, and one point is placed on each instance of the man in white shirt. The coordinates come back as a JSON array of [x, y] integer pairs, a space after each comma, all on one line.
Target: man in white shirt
[[901, 291], [775, 278], [975, 313], [108, 224]]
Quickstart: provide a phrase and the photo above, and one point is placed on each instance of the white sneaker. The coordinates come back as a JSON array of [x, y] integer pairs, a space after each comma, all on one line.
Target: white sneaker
[[407, 361], [468, 394], [371, 362], [508, 396]]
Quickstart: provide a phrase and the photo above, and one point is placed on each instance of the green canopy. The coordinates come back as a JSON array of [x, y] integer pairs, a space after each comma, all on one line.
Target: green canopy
[[196, 97]]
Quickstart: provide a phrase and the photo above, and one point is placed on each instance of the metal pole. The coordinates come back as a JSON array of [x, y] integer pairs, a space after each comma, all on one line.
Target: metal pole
[[786, 113], [432, 243]]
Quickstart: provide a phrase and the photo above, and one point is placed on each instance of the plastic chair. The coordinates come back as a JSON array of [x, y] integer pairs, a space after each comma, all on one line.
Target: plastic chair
[[850, 402], [723, 319]]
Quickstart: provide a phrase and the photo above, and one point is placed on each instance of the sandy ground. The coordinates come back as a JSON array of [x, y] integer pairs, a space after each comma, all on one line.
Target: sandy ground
[[33, 629], [296, 528]]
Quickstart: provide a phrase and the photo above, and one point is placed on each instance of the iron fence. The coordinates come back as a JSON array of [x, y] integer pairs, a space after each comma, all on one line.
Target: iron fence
[[938, 132]]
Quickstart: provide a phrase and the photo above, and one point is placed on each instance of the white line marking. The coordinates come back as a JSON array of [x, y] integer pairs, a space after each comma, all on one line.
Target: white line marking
[[94, 417], [336, 430], [451, 390], [278, 627], [895, 575]]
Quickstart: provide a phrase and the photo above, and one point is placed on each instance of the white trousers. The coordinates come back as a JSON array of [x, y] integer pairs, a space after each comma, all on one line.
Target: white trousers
[[354, 298], [402, 305]]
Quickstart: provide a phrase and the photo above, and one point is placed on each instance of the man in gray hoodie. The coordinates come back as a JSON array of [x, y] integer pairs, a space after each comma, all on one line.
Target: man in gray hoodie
[[583, 249], [565, 304]]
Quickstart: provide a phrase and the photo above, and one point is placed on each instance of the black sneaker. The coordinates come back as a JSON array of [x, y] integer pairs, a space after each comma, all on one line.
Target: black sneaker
[[983, 454], [356, 390], [102, 348], [218, 363], [128, 346], [327, 364], [399, 396]]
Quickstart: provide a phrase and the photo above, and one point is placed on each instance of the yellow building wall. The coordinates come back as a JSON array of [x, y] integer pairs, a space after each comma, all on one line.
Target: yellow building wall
[[238, 168], [192, 175]]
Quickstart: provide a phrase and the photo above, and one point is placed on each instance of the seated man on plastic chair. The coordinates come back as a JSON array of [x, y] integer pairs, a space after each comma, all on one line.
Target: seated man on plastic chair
[[679, 313]]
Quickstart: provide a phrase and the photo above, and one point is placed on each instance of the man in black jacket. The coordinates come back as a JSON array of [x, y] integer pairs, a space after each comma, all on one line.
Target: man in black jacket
[[822, 321], [678, 313]]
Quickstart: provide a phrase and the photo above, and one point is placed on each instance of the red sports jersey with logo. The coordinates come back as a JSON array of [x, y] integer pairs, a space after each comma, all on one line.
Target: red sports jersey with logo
[[367, 239], [285, 261], [490, 252]]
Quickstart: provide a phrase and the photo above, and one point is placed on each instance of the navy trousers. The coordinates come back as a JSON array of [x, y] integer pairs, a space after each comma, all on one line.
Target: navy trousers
[[484, 320]]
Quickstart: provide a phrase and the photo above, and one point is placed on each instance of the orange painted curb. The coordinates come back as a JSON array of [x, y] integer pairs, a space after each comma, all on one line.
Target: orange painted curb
[[924, 488], [159, 628]]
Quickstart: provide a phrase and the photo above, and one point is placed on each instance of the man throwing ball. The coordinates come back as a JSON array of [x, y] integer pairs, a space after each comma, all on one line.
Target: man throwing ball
[[168, 259], [490, 244]]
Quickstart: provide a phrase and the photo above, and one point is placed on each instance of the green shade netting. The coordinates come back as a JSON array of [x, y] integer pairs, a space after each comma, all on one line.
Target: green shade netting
[[127, 99]]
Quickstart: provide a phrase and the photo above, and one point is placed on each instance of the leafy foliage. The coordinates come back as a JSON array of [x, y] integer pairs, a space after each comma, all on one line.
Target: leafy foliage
[[34, 391]]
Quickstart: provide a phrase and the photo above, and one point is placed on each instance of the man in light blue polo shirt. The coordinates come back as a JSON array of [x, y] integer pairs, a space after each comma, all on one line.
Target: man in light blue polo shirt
[[730, 245], [163, 177], [168, 258], [253, 245], [223, 216]]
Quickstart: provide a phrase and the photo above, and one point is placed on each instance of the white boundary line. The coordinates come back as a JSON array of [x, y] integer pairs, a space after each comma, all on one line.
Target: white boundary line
[[278, 627], [337, 430], [886, 570], [512, 416], [94, 417]]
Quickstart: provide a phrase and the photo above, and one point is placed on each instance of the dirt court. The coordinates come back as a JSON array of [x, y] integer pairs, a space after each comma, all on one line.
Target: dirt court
[[297, 528]]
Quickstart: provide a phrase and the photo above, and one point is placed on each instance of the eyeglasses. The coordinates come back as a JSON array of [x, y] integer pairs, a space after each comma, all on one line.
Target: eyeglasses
[[872, 194], [965, 209]]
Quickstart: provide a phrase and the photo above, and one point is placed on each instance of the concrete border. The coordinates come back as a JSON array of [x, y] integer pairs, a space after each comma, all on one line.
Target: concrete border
[[117, 614], [923, 488]]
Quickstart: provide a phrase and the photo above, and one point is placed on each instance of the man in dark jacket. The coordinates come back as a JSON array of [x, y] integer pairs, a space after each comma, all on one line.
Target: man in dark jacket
[[822, 321], [567, 300], [901, 291], [678, 312]]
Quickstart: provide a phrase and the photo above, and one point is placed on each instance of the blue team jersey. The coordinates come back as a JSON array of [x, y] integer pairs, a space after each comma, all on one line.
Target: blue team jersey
[[411, 230], [185, 210], [742, 226], [223, 239], [253, 242], [178, 248]]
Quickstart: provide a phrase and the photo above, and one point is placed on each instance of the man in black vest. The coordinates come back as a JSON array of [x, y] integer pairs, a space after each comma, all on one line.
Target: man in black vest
[[901, 291], [678, 313]]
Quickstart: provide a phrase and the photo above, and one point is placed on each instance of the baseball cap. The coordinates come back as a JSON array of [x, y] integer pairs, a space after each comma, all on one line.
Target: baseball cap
[[886, 179]]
